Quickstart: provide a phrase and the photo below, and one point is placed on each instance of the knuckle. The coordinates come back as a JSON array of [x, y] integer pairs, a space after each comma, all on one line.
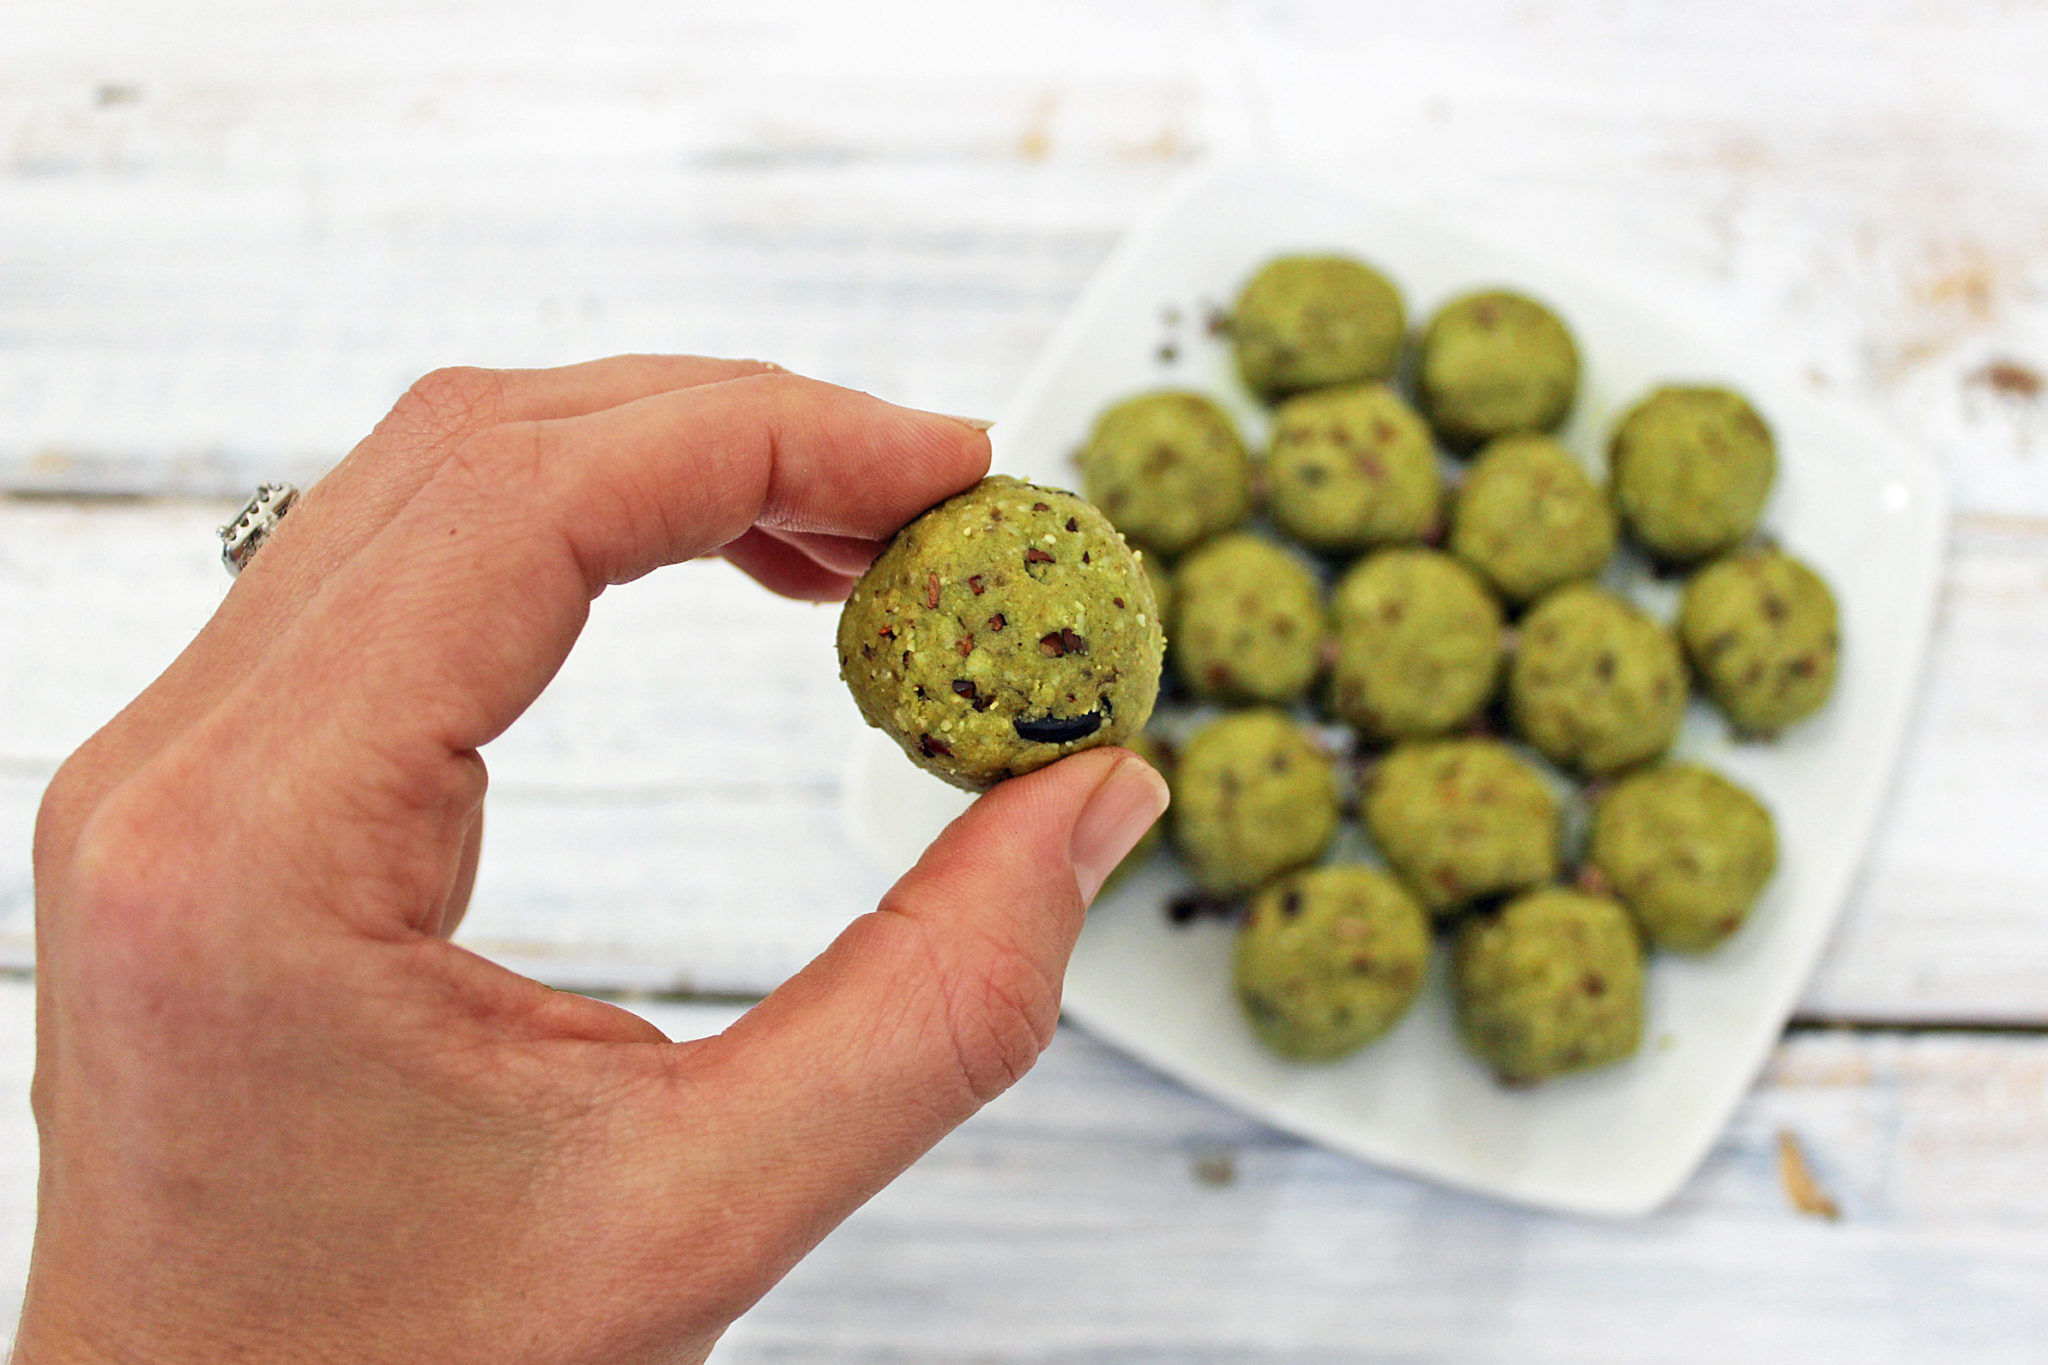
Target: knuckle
[[1003, 1012], [450, 400], [65, 806], [975, 1010], [126, 859], [492, 459]]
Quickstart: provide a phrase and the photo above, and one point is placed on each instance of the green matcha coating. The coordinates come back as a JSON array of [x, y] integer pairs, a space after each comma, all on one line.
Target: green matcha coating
[[1253, 796], [1168, 468], [1552, 984], [1690, 469], [1595, 684], [1686, 850], [1496, 362], [1330, 959], [1304, 322], [1418, 645], [1764, 635], [1530, 519], [1248, 622], [1351, 468], [1462, 818], [1007, 627]]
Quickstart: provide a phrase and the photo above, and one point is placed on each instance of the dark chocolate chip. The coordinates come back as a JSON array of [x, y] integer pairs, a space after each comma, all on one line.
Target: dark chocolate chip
[[974, 582], [934, 748], [1034, 555], [997, 622], [1059, 729]]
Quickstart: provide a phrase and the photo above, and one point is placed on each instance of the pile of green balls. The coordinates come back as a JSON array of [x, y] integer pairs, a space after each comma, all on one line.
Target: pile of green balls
[[1414, 558]]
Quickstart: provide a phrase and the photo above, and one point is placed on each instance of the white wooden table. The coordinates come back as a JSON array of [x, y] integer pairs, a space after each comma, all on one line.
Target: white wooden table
[[230, 233]]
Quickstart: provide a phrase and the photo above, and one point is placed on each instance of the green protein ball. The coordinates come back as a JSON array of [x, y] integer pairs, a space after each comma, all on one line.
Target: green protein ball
[[1330, 959], [1690, 468], [1351, 468], [1595, 684], [1253, 796], [1529, 518], [1418, 645], [1462, 818], [1304, 322], [1686, 850], [1248, 622], [1550, 985], [1168, 468], [1496, 362], [1007, 627], [1764, 635]]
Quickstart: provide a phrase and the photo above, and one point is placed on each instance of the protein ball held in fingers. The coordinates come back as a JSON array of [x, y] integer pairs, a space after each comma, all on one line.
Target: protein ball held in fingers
[[1495, 362], [1253, 796], [1530, 519], [1460, 819], [1350, 468], [1330, 959], [1690, 468], [1595, 683], [1764, 634], [1686, 850], [1168, 468], [1248, 622], [1305, 322], [1007, 627], [1419, 645], [1552, 984]]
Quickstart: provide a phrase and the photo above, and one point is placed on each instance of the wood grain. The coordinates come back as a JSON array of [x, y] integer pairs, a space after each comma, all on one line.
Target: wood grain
[[666, 818], [1099, 1213], [231, 232]]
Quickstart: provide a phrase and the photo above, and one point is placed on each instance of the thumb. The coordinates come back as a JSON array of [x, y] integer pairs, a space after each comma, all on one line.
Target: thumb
[[930, 1006]]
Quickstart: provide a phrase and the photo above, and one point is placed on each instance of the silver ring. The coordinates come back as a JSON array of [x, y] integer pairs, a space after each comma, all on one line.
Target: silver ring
[[241, 538]]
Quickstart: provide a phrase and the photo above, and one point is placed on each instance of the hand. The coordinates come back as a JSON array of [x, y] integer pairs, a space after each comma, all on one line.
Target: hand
[[284, 1119]]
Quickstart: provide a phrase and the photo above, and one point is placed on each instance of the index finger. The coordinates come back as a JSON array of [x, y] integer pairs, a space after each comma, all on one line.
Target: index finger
[[446, 626]]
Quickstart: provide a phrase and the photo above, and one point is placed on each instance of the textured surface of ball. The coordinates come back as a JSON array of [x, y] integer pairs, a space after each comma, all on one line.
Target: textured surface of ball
[[1304, 322], [1764, 635], [1168, 468], [1686, 850], [1007, 627], [1595, 684], [1253, 796], [1496, 362], [1460, 819], [1418, 645], [1552, 984], [1530, 519], [1351, 468], [1330, 959], [1690, 468], [1248, 622]]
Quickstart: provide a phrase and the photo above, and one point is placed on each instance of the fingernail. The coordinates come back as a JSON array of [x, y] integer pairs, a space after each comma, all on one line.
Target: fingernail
[[1127, 803], [971, 423]]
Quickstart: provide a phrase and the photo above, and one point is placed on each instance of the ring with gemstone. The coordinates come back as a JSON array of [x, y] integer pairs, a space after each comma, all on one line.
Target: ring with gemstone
[[242, 537]]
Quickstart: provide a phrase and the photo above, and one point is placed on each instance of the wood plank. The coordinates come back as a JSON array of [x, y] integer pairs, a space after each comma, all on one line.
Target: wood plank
[[666, 817], [222, 258], [1100, 1213], [227, 269]]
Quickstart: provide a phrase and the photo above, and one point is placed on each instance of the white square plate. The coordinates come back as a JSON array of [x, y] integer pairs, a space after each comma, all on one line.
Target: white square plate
[[1867, 510]]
